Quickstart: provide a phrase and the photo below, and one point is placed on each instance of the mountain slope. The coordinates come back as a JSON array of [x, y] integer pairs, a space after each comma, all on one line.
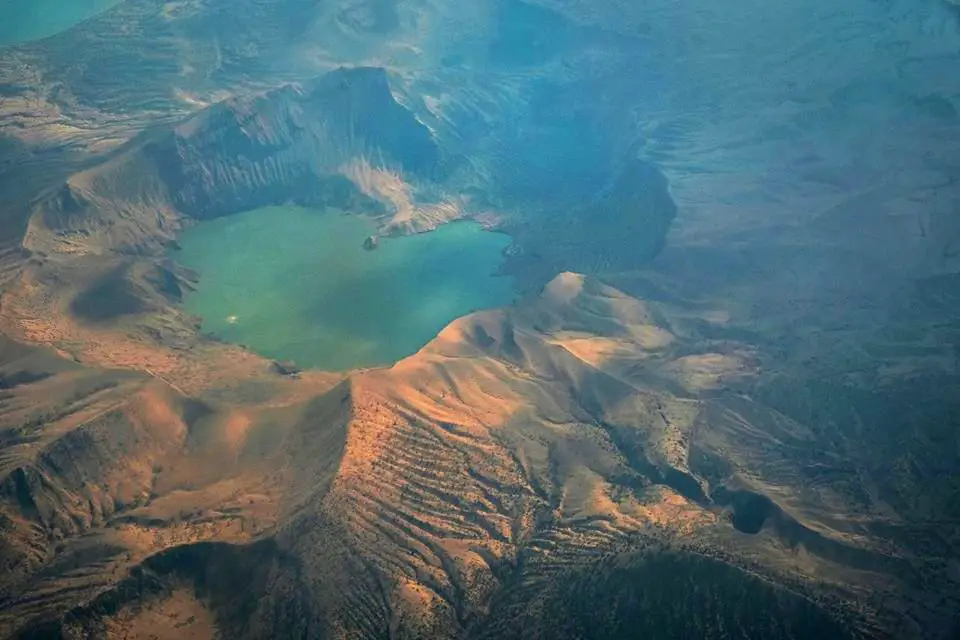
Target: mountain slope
[[752, 387], [479, 480]]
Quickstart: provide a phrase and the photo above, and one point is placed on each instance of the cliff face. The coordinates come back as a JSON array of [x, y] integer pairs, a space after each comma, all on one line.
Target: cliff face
[[514, 465], [584, 444], [753, 387], [289, 145], [292, 144]]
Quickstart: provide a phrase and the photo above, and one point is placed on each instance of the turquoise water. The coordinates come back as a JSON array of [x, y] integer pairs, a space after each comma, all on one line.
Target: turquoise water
[[23, 20], [297, 284]]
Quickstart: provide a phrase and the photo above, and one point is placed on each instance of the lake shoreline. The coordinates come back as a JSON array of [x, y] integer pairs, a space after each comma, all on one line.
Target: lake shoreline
[[298, 284]]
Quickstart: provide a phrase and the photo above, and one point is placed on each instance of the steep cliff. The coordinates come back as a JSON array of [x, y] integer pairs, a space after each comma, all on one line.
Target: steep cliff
[[490, 480], [753, 387], [291, 144]]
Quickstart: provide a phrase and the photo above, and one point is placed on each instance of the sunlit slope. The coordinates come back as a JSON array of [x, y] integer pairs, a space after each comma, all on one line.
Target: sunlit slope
[[784, 400], [103, 469], [473, 484]]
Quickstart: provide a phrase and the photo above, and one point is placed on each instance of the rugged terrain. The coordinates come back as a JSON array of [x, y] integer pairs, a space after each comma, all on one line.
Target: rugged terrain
[[728, 399]]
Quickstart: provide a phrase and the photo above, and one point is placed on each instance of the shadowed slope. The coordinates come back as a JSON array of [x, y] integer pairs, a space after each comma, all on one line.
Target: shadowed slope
[[788, 407], [516, 446], [286, 145], [475, 485], [100, 469]]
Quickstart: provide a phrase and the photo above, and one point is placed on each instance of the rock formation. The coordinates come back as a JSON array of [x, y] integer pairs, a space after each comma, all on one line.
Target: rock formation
[[728, 399]]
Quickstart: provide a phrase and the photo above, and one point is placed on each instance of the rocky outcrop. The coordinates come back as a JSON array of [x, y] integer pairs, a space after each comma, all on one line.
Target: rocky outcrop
[[285, 368], [525, 456], [788, 408], [287, 145]]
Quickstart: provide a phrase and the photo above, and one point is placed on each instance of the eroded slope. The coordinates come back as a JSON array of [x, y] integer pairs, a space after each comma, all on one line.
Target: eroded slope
[[783, 400], [481, 478]]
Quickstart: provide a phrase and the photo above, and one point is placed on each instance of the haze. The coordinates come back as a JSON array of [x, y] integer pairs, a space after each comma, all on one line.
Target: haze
[[507, 319]]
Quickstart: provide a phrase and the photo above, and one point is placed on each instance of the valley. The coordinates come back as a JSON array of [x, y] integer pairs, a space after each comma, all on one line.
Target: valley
[[657, 334]]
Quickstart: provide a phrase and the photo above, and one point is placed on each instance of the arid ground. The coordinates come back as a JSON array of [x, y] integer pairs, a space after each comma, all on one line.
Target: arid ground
[[725, 405]]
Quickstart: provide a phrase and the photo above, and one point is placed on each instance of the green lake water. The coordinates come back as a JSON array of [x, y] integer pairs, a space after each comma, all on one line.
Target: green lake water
[[297, 284], [23, 20]]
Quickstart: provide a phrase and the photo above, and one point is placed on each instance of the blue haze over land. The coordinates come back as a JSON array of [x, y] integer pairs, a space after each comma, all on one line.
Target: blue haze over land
[[752, 356], [25, 20]]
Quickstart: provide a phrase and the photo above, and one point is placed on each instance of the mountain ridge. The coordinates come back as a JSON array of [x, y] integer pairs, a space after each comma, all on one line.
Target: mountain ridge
[[412, 430], [733, 362]]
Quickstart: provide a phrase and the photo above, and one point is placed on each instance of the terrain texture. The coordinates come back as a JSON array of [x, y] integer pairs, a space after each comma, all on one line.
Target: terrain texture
[[727, 404]]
